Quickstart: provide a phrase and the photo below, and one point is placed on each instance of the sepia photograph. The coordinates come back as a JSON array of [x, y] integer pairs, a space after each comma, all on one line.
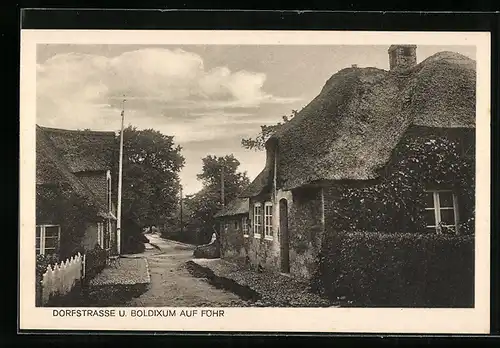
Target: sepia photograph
[[187, 179]]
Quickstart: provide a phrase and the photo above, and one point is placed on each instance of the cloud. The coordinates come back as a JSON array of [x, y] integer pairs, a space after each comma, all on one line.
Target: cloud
[[88, 89], [168, 90]]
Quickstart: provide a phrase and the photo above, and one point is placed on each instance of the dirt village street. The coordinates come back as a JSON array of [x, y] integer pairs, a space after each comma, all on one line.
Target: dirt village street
[[171, 283]]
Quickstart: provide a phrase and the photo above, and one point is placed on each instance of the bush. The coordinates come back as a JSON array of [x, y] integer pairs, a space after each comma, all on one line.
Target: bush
[[188, 237], [95, 261], [398, 270], [207, 251], [42, 262], [134, 244]]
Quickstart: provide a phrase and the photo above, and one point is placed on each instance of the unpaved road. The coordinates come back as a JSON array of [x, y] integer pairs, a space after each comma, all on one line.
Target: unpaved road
[[171, 283]]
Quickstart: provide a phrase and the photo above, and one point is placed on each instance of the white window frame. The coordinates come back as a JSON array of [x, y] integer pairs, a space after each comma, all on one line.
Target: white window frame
[[107, 237], [256, 223], [42, 248], [268, 221], [244, 226], [100, 234], [437, 210], [108, 190]]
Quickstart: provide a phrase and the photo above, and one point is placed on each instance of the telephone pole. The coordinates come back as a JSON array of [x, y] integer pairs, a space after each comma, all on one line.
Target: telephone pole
[[222, 184], [181, 212], [120, 173]]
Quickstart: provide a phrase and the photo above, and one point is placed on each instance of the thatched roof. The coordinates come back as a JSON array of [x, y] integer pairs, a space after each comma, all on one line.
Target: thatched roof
[[51, 168], [236, 207], [83, 150], [349, 130]]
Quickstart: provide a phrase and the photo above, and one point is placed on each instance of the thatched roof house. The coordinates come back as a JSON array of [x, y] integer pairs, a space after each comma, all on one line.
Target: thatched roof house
[[65, 156], [376, 155], [81, 163], [350, 129]]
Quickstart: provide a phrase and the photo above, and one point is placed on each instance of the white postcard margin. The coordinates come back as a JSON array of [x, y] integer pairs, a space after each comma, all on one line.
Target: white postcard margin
[[330, 320]]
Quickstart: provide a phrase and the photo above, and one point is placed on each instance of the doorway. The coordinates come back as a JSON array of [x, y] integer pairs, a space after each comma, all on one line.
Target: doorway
[[284, 236]]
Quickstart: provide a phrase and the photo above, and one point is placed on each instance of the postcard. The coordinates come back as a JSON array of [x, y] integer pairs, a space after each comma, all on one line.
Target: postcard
[[255, 181]]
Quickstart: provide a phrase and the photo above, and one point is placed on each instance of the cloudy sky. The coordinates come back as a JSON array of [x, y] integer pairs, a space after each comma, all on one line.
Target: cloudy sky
[[209, 97]]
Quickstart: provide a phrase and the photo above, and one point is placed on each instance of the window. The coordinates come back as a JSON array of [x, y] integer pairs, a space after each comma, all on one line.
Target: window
[[236, 225], [257, 219], [100, 234], [47, 239], [244, 225], [441, 212], [107, 234], [268, 220], [108, 189]]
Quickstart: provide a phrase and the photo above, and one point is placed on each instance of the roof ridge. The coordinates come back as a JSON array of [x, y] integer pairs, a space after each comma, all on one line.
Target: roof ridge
[[63, 130]]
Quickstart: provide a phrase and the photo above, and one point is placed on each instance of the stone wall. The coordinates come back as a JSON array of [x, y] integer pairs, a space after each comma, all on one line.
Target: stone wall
[[260, 250], [232, 238], [306, 229], [305, 226]]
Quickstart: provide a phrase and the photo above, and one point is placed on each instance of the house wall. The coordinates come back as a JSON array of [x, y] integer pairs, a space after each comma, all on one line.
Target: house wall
[[314, 211], [90, 240], [262, 251], [232, 239], [305, 226], [305, 230]]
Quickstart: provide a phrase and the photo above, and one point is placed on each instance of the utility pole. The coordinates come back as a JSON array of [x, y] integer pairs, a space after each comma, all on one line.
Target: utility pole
[[181, 211], [120, 173], [222, 184]]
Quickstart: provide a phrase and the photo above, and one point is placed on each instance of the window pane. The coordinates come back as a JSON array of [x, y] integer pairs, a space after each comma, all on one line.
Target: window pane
[[429, 199], [50, 242], [37, 242], [445, 199], [448, 216], [429, 218], [52, 231], [49, 251], [38, 231]]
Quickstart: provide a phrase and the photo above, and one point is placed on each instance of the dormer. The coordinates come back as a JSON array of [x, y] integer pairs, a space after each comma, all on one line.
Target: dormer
[[402, 57]]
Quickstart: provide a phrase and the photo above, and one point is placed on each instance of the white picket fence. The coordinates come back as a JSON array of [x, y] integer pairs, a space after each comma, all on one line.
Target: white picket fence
[[61, 278]]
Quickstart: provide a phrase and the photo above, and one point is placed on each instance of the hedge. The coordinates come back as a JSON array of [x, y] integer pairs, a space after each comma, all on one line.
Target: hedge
[[397, 270], [95, 261]]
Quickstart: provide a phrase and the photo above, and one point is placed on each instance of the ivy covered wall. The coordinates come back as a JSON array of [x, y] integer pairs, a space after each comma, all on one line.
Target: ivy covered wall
[[424, 159], [376, 249]]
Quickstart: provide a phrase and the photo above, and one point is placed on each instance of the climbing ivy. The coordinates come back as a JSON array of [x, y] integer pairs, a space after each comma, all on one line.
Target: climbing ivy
[[397, 201]]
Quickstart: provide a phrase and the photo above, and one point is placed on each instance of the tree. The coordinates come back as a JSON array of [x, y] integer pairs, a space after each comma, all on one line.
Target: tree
[[211, 174], [202, 206], [151, 165], [266, 131]]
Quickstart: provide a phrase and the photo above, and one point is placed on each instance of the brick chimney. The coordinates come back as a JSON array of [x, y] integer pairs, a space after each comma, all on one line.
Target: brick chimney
[[402, 57]]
